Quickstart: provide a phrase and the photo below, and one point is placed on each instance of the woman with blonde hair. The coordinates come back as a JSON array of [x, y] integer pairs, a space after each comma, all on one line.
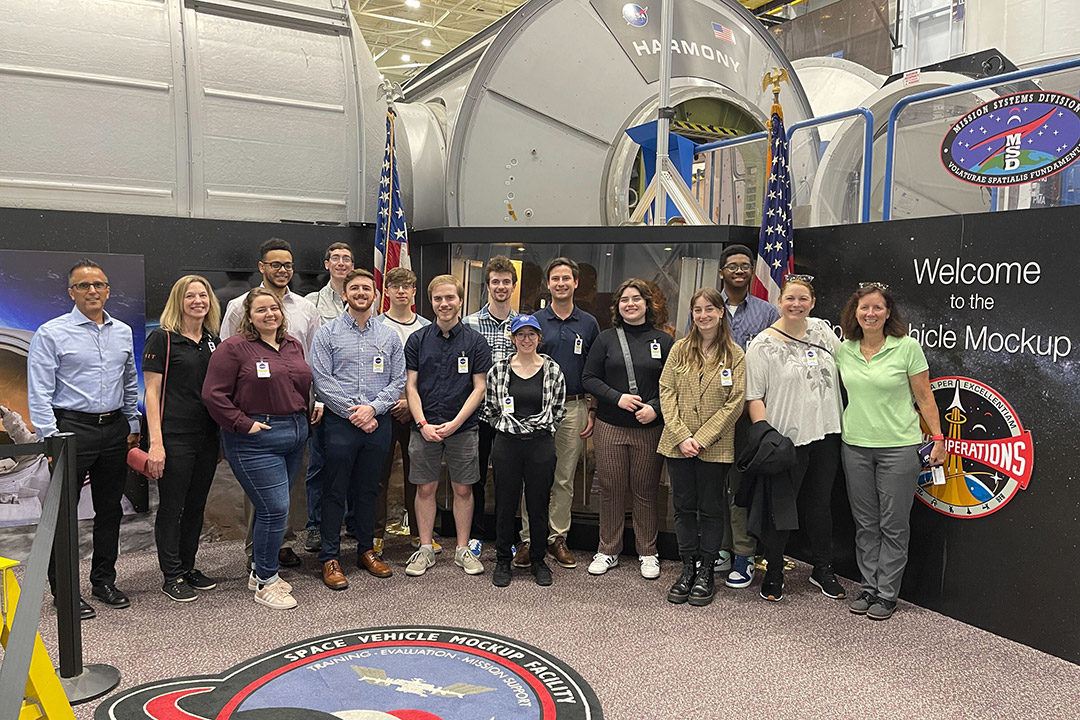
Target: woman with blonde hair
[[701, 396], [183, 437]]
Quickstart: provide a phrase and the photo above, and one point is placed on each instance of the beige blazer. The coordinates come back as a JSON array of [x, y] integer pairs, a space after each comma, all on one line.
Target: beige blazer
[[701, 406]]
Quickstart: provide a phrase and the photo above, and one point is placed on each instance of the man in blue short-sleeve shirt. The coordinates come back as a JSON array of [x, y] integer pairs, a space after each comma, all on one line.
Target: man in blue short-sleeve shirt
[[446, 365]]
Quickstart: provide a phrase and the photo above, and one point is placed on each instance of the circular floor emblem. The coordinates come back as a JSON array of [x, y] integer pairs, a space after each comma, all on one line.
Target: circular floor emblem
[[1014, 139], [989, 454], [392, 673]]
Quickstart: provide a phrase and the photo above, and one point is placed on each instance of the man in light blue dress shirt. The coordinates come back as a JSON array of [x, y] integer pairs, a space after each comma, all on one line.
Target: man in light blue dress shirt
[[81, 379], [358, 368]]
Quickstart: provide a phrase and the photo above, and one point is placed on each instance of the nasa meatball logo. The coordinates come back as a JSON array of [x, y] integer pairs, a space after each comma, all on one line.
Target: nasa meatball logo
[[989, 454], [390, 673], [635, 15], [1014, 139]]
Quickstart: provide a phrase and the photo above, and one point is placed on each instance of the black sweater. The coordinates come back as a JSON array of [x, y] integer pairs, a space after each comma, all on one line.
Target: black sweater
[[605, 372]]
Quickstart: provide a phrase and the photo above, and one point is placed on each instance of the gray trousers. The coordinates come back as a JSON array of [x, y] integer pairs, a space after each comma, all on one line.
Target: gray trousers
[[881, 487]]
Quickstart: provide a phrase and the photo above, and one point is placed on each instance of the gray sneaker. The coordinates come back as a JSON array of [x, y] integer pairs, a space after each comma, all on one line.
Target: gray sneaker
[[861, 604], [313, 544], [881, 610], [420, 561], [468, 562]]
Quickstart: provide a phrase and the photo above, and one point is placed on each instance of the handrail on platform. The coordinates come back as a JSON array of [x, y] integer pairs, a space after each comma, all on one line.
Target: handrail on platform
[[894, 114], [868, 145]]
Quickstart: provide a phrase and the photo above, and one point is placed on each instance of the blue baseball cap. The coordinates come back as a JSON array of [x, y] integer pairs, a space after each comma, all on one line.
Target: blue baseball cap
[[524, 321]]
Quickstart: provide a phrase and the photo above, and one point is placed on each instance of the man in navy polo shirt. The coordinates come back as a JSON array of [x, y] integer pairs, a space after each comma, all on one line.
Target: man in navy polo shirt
[[446, 367], [568, 333]]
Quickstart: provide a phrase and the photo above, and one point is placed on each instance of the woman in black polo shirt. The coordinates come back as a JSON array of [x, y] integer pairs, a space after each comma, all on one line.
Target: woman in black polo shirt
[[183, 439]]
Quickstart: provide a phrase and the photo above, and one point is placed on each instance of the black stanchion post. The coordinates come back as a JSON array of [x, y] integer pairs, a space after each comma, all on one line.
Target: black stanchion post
[[81, 683]]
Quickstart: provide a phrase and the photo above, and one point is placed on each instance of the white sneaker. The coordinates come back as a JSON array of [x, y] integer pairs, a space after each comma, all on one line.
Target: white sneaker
[[468, 562], [253, 584], [723, 562], [650, 566], [416, 543], [275, 596], [601, 563], [420, 561]]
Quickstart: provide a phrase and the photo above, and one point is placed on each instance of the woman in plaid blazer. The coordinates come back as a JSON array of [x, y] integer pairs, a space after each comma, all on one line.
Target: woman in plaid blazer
[[702, 390]]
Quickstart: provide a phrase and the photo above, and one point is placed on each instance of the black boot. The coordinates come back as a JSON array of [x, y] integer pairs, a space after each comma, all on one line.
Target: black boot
[[681, 589], [704, 585]]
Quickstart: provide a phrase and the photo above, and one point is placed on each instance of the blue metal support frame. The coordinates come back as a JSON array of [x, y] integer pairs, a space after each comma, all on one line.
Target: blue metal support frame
[[868, 145], [763, 135], [890, 147]]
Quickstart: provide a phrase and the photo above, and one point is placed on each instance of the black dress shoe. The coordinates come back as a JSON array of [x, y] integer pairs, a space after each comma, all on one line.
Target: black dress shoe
[[112, 597], [86, 610], [287, 558]]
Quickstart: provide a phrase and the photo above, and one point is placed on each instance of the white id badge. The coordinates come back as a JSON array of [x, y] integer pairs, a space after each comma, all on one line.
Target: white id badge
[[578, 345], [811, 357], [262, 369], [725, 377], [377, 364], [654, 349], [508, 405], [938, 474], [463, 365]]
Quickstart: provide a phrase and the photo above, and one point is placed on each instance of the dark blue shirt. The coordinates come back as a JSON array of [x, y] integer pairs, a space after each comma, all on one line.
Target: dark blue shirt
[[560, 337], [442, 389]]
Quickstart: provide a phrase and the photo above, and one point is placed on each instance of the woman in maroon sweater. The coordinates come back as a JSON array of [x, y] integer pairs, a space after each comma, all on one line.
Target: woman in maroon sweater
[[257, 389]]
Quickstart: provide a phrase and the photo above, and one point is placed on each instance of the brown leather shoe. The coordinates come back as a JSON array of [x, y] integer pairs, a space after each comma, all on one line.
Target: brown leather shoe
[[521, 555], [332, 575], [561, 553], [371, 562]]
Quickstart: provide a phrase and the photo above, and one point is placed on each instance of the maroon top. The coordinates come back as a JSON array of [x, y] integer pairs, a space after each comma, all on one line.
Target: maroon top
[[233, 389]]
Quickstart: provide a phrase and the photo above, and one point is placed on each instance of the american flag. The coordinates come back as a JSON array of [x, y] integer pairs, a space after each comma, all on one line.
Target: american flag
[[723, 33], [391, 235], [776, 251]]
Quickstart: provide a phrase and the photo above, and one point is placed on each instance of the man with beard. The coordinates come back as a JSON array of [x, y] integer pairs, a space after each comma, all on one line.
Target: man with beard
[[301, 321], [358, 369], [493, 322]]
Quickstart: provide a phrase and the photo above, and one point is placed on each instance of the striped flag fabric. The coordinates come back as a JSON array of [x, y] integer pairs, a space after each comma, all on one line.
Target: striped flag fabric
[[776, 250], [724, 33], [391, 235]]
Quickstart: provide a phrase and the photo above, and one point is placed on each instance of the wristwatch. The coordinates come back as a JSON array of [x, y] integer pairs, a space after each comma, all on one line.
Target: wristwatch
[[421, 424]]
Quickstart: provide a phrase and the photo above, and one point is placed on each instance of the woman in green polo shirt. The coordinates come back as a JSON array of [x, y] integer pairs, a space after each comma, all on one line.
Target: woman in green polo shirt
[[882, 368]]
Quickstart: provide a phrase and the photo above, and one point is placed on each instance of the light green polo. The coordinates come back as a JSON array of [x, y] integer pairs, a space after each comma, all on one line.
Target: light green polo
[[881, 410]]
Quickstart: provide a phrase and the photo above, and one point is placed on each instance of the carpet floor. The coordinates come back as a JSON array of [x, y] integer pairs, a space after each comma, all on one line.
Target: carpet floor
[[806, 656]]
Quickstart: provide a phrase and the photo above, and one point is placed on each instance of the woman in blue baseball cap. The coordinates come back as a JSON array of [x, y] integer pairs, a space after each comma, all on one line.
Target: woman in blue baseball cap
[[524, 402]]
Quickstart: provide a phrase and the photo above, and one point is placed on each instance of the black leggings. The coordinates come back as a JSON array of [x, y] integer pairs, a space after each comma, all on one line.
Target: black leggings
[[516, 461], [190, 462], [812, 477]]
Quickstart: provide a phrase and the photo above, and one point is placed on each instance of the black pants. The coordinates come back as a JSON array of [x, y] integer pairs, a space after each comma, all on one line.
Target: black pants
[[190, 462], [486, 437], [516, 461], [101, 450], [812, 477], [698, 496], [353, 458]]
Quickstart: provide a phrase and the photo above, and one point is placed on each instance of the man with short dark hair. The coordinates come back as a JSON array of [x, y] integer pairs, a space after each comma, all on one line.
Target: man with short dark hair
[[747, 316], [301, 321], [493, 322], [81, 379], [447, 365], [400, 285], [568, 333], [330, 303], [358, 368]]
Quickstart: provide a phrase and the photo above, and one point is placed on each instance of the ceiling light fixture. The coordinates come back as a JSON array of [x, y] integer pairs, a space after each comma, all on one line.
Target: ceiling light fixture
[[406, 57], [425, 42], [412, 3]]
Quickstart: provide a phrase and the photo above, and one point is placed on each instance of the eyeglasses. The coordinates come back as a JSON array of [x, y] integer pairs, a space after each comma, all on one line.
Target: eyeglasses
[[808, 279], [876, 285], [736, 267], [395, 288], [84, 286], [278, 265], [338, 259]]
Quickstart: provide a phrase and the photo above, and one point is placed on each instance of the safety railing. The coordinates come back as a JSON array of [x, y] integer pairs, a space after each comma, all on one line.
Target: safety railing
[[894, 115], [868, 145]]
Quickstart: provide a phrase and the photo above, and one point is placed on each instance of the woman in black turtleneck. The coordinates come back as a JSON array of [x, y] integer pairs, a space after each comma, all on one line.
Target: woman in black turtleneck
[[628, 424]]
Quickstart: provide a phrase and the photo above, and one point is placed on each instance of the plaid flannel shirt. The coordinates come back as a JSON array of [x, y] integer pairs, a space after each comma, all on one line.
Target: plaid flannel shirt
[[496, 332], [498, 387]]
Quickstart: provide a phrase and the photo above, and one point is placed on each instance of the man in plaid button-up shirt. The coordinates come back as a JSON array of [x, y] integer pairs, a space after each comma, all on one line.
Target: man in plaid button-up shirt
[[493, 322]]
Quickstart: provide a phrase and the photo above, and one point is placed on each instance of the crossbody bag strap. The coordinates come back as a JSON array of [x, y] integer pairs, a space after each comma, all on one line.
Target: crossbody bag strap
[[800, 340], [628, 360], [165, 375]]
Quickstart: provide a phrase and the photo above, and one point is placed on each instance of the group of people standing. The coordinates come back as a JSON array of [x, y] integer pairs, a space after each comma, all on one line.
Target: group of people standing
[[745, 411]]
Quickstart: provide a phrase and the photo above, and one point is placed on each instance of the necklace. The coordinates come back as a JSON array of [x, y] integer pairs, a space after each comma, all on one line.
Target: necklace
[[870, 351]]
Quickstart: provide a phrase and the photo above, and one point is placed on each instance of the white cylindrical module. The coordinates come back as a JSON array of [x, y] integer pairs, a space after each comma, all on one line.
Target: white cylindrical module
[[834, 85], [536, 107]]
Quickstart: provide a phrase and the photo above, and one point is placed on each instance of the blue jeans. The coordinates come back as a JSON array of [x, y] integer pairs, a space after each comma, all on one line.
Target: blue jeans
[[354, 461], [265, 464]]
